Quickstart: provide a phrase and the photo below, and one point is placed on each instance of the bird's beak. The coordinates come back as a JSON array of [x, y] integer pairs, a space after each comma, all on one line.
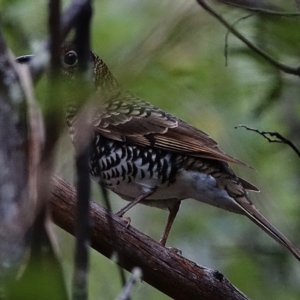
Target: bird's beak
[[25, 59]]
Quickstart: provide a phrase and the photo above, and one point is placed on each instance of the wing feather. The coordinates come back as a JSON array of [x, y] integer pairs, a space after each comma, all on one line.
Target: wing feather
[[138, 122]]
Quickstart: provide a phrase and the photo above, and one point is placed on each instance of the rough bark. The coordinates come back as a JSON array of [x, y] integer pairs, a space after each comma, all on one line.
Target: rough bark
[[14, 166], [170, 273]]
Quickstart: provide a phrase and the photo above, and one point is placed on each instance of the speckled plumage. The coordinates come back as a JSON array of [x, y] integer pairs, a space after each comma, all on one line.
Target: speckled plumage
[[148, 156]]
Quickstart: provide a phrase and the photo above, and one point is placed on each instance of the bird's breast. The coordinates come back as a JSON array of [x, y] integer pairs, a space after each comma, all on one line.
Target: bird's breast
[[130, 170]]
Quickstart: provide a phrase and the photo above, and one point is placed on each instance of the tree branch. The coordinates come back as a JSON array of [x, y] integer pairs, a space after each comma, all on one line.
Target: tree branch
[[170, 273], [259, 7], [285, 68], [128, 287], [83, 186], [69, 19], [268, 135]]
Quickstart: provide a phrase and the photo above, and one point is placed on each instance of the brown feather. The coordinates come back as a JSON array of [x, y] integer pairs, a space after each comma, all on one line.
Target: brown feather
[[143, 120], [254, 215]]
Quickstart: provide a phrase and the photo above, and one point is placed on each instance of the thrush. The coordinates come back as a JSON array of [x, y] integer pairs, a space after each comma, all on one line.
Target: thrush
[[147, 156]]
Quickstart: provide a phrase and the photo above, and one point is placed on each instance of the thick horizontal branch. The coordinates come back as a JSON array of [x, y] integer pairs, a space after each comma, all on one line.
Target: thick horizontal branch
[[170, 273]]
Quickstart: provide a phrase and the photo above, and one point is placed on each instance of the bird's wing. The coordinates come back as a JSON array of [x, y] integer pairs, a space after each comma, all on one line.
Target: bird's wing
[[131, 119], [135, 121]]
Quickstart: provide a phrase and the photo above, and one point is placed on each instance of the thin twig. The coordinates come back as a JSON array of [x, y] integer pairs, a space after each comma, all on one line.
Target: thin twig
[[54, 24], [71, 15], [285, 68], [81, 39], [82, 148], [227, 36], [261, 10], [112, 229], [278, 137], [69, 19], [80, 276], [127, 290], [53, 114]]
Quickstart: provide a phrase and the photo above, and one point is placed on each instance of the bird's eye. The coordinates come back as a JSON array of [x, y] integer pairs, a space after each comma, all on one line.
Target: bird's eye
[[70, 58]]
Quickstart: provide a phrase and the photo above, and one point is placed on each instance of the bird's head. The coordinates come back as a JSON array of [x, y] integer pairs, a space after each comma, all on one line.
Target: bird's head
[[101, 76]]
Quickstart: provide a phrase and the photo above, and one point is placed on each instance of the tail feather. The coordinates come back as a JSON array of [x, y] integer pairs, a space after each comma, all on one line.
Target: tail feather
[[255, 216]]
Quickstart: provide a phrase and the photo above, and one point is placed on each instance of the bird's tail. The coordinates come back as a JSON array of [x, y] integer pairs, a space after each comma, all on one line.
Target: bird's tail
[[254, 215]]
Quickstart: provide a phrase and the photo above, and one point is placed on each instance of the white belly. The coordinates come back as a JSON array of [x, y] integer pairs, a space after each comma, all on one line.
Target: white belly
[[188, 184], [130, 171]]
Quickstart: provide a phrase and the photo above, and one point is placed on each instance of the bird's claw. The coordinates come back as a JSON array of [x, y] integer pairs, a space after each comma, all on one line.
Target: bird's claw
[[127, 220], [175, 250]]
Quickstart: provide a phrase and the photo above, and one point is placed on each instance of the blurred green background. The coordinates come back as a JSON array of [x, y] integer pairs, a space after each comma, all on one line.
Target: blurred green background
[[171, 53]]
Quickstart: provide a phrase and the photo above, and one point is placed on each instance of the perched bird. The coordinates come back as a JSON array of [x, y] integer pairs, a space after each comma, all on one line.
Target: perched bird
[[148, 156]]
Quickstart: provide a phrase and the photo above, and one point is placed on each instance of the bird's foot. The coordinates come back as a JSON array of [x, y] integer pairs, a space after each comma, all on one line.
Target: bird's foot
[[127, 220], [175, 251]]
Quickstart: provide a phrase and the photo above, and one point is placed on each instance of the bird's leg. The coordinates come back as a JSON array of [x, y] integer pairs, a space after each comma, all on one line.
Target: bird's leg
[[173, 212], [131, 204]]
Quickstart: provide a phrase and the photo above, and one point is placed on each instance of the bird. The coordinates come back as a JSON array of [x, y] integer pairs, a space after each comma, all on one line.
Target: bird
[[146, 155]]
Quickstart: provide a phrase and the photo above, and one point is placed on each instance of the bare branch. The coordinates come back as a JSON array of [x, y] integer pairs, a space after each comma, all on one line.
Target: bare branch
[[227, 36], [71, 15], [82, 149], [258, 6], [54, 113], [278, 137], [127, 290], [170, 273], [285, 68], [68, 21], [80, 276], [111, 226], [54, 24]]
